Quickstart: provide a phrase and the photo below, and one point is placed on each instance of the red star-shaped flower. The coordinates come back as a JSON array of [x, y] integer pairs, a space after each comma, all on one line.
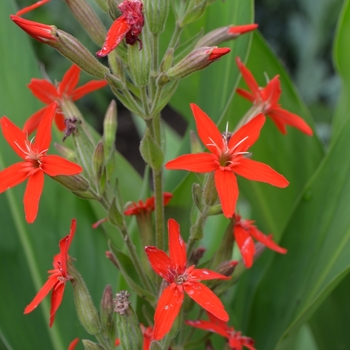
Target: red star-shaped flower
[[129, 26], [57, 279], [227, 158], [66, 90], [267, 99], [146, 207], [244, 232], [35, 161], [235, 340], [181, 279]]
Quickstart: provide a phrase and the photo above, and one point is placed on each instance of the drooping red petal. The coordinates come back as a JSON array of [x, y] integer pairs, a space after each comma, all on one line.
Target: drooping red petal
[[87, 88], [33, 121], [32, 195], [291, 119], [207, 130], [279, 123], [247, 134], [45, 289], [73, 344], [168, 308], [69, 81], [257, 171], [53, 165], [160, 263], [12, 176], [59, 120], [227, 188], [202, 295], [266, 240], [246, 94], [198, 163], [14, 136], [43, 135], [248, 78], [208, 326], [56, 299], [221, 324], [204, 274], [245, 244], [115, 35], [177, 247], [73, 226], [44, 90]]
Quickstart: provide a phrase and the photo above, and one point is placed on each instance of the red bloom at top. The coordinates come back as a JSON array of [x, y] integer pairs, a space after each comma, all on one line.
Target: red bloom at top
[[181, 279], [227, 158], [244, 232], [129, 26], [66, 90], [35, 161], [267, 99], [57, 279], [146, 207], [235, 340]]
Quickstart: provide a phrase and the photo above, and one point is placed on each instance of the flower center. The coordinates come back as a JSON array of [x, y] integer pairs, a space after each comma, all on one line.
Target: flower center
[[180, 279], [32, 155]]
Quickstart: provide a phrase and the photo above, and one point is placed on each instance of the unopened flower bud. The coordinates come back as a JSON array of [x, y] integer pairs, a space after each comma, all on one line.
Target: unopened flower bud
[[113, 9], [210, 194], [194, 14], [86, 311], [214, 210], [219, 35], [226, 268], [99, 167], [156, 14], [75, 183], [106, 312], [197, 196], [151, 152], [88, 19], [110, 125], [114, 81], [196, 255], [89, 345], [128, 327], [65, 152], [139, 64], [196, 60], [167, 61]]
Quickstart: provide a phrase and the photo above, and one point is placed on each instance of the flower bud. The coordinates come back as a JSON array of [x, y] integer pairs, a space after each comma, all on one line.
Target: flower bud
[[156, 14], [151, 152], [226, 268], [99, 167], [128, 327], [214, 210], [103, 4], [196, 60], [167, 61], [139, 64], [110, 125], [196, 255], [114, 81], [197, 196], [194, 14], [89, 345], [65, 152], [74, 183], [210, 194], [86, 311], [106, 312], [196, 145], [113, 9], [219, 35]]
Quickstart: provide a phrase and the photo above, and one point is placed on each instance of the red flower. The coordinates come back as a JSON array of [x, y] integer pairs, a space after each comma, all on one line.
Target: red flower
[[243, 231], [129, 26], [242, 29], [267, 99], [227, 158], [57, 279], [146, 207], [235, 340], [66, 90], [35, 161], [181, 279]]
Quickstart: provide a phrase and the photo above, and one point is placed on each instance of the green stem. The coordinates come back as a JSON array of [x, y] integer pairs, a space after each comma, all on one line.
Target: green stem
[[175, 37], [144, 99], [251, 113]]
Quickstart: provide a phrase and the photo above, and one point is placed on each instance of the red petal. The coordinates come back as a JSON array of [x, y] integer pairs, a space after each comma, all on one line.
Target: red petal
[[168, 308], [73, 344], [234, 343], [87, 88], [249, 132], [266, 240], [32, 195], [226, 185], [33, 121], [45, 289], [245, 244], [207, 130], [43, 135], [43, 90], [60, 120], [73, 226], [177, 247], [291, 119], [56, 299], [14, 136], [217, 53], [31, 7], [115, 35], [272, 91], [221, 324], [279, 123], [247, 342], [160, 263], [204, 274], [167, 197], [12, 176], [238, 30], [256, 171], [53, 165], [198, 163], [69, 81], [246, 94], [202, 295], [208, 326], [248, 78]]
